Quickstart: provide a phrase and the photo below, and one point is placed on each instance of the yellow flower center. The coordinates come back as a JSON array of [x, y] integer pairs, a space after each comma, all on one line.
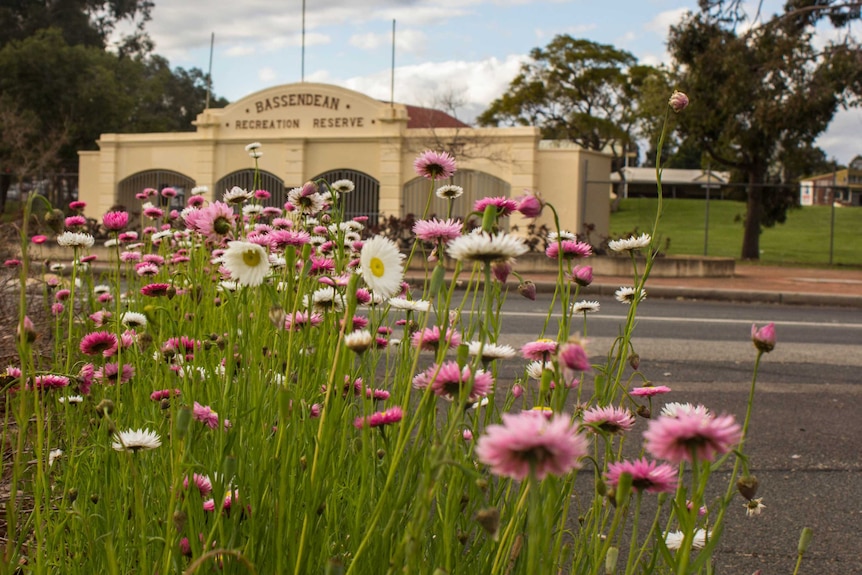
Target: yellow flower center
[[377, 267], [251, 258]]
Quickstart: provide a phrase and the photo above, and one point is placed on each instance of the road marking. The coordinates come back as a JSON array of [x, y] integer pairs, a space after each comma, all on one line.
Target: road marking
[[689, 320]]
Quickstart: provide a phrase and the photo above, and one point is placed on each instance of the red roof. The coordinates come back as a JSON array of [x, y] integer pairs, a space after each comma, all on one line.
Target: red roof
[[431, 118]]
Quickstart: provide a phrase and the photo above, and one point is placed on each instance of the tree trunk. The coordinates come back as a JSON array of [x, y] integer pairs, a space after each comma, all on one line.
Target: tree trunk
[[751, 236]]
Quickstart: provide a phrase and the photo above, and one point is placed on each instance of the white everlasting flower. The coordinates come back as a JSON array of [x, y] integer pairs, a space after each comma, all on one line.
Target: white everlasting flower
[[673, 539], [307, 203], [317, 241], [255, 154], [563, 235], [75, 240], [134, 319], [491, 351], [754, 507], [325, 298], [159, 236], [111, 243], [342, 186], [228, 285], [535, 369], [247, 262], [53, 455], [57, 267], [627, 295], [277, 261], [359, 340], [252, 210], [486, 248], [585, 306], [418, 305], [199, 190], [380, 261], [71, 399], [449, 192], [236, 195], [135, 440], [630, 244], [252, 146]]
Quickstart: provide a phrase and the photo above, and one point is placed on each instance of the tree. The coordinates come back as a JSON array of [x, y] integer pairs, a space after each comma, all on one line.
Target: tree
[[760, 98], [577, 90], [91, 91], [27, 147], [81, 22]]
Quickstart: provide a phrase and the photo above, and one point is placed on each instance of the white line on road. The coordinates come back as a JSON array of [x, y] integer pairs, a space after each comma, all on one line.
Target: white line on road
[[691, 320]]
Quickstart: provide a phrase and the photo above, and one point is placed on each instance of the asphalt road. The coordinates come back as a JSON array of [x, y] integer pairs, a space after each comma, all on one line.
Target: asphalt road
[[805, 439]]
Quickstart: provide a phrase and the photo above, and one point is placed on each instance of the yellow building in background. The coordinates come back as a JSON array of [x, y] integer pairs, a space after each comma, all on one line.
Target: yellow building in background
[[309, 131]]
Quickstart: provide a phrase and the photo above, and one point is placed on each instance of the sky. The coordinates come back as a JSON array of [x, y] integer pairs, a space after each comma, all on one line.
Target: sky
[[462, 51]]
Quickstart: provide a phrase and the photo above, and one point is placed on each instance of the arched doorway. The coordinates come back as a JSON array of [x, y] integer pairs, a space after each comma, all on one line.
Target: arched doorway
[[157, 179], [364, 200], [245, 180], [476, 185]]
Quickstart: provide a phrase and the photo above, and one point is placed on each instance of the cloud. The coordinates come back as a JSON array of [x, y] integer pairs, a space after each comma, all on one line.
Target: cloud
[[239, 50], [473, 85], [368, 41], [664, 20], [267, 75], [841, 139]]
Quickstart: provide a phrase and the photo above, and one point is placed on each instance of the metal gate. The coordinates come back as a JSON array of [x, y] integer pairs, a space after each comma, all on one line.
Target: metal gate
[[245, 180], [157, 179], [476, 185], [364, 200]]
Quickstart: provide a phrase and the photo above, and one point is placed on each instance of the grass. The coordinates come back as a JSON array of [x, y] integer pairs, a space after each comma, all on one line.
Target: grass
[[803, 239]]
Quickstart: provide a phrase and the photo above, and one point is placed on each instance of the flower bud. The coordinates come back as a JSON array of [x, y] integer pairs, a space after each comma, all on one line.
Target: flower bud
[[635, 361], [678, 101], [528, 290], [804, 540], [643, 411], [611, 560], [747, 486], [763, 338], [582, 275], [530, 205], [489, 519], [105, 407], [28, 329]]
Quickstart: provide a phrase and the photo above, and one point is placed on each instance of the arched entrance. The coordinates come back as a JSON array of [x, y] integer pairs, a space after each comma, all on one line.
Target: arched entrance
[[476, 185], [245, 180], [364, 200], [157, 179]]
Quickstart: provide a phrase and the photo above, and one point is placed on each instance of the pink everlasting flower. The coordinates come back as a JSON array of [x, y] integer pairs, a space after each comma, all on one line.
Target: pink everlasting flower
[[428, 339], [75, 221], [649, 390], [196, 201], [77, 205], [678, 101], [435, 230], [202, 482], [50, 381], [530, 205], [40, 239], [99, 342], [115, 221], [539, 350], [763, 338], [156, 289], [161, 394], [205, 414], [573, 358], [530, 441], [571, 249], [609, 419], [110, 373], [388, 417], [505, 206], [582, 275], [435, 165], [301, 319], [169, 193], [448, 380], [649, 476], [691, 434]]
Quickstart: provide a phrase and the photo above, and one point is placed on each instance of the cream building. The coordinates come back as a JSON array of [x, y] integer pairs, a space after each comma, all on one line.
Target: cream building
[[309, 131]]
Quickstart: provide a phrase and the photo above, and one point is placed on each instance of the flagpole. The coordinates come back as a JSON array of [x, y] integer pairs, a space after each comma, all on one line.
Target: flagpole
[[210, 72], [392, 71], [302, 77]]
